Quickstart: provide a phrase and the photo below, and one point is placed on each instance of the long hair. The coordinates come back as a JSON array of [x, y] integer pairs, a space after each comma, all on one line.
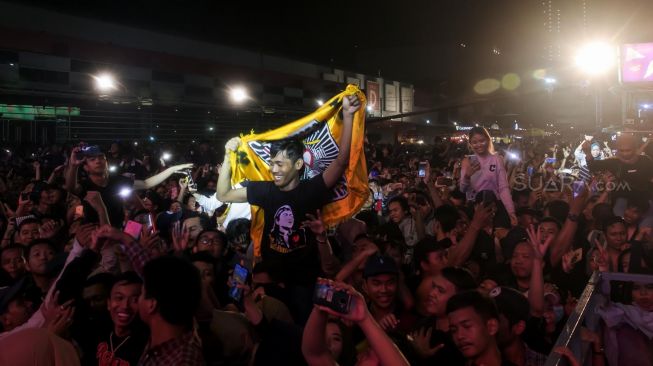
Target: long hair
[[483, 132]]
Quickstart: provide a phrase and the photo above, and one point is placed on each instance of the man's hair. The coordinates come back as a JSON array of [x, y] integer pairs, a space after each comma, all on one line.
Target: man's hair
[[612, 221], [27, 222], [482, 305], [127, 278], [103, 278], [269, 268], [36, 242], [237, 227], [447, 216], [640, 204], [558, 209], [553, 220], [402, 201], [459, 277], [425, 247], [175, 285], [293, 149], [18, 247]]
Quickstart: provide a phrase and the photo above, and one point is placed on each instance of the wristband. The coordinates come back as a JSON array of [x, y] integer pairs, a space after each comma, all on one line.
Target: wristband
[[572, 217]]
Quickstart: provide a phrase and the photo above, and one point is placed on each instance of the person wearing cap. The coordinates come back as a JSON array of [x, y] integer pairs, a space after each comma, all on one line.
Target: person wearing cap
[[381, 285], [94, 163], [514, 327]]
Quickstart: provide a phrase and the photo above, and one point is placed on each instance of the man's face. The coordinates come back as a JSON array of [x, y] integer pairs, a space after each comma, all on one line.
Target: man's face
[[261, 278], [211, 185], [286, 219], [96, 297], [381, 290], [632, 215], [471, 334], [435, 262], [284, 171], [434, 292], [334, 339], [175, 207], [144, 306], [424, 208], [396, 212], [97, 164], [206, 272], [17, 314], [39, 257], [193, 226], [547, 229], [626, 149], [13, 263], [28, 232], [487, 285], [506, 334], [211, 242], [596, 151], [526, 220], [123, 303], [643, 296], [616, 236], [521, 262]]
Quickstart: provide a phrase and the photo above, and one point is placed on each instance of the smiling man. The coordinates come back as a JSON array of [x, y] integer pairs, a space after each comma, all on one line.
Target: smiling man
[[126, 341], [287, 200]]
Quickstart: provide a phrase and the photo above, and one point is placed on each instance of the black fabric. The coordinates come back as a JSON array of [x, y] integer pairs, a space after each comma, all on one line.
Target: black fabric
[[637, 175], [285, 244], [110, 196], [281, 344]]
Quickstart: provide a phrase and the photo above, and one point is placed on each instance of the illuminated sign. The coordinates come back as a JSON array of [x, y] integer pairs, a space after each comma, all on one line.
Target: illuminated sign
[[31, 112], [637, 63]]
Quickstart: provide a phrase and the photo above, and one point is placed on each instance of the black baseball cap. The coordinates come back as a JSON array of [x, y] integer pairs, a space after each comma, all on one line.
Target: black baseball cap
[[93, 150], [380, 264]]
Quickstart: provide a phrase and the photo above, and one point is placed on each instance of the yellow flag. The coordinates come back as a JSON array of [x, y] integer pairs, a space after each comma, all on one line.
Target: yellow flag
[[320, 131]]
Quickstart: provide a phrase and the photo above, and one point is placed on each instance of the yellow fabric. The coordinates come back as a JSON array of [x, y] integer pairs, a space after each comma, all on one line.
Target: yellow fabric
[[319, 130]]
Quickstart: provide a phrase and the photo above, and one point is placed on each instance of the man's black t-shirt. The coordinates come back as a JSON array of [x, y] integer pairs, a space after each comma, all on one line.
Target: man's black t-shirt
[[126, 350], [285, 243], [111, 197]]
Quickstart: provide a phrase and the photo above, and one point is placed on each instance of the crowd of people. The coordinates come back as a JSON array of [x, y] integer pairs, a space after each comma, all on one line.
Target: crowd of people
[[463, 254]]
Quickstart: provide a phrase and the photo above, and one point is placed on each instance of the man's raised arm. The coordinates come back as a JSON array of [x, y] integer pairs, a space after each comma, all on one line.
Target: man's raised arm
[[350, 104], [155, 180], [224, 191]]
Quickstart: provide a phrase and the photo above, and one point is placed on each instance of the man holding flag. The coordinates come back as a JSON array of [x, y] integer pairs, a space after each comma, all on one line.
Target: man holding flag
[[287, 200]]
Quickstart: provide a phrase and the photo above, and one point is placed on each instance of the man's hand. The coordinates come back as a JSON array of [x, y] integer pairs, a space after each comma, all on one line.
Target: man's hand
[[84, 234], [232, 144], [421, 341], [357, 308], [350, 104], [315, 224], [539, 246], [73, 157]]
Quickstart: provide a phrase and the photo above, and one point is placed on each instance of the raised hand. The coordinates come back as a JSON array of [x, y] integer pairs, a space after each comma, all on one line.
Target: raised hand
[[350, 104], [357, 308], [232, 144], [315, 224], [535, 239], [421, 342], [388, 322], [180, 238]]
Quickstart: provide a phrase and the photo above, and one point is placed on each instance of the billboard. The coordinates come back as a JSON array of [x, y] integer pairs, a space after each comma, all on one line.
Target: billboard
[[373, 96], [637, 63]]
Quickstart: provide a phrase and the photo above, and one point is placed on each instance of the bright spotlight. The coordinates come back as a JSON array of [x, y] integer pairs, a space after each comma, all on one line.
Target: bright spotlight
[[550, 80], [319, 102], [428, 121], [238, 94], [595, 58], [166, 156], [112, 168], [370, 109], [646, 106], [105, 82], [151, 138], [125, 192]]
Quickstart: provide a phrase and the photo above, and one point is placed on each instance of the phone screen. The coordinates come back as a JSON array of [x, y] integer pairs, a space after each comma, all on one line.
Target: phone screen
[[422, 169], [240, 277], [133, 228]]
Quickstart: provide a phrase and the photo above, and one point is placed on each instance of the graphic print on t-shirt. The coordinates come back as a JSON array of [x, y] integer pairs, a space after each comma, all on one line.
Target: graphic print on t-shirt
[[320, 151], [283, 236], [107, 358]]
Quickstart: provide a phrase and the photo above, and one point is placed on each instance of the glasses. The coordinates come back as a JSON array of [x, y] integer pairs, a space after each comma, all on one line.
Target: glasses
[[210, 241]]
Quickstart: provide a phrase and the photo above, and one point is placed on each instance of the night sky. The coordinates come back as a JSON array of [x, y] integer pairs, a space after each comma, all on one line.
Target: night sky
[[425, 42]]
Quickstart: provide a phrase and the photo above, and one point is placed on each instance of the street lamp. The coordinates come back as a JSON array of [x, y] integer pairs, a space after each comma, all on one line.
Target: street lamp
[[595, 59], [105, 82], [238, 94]]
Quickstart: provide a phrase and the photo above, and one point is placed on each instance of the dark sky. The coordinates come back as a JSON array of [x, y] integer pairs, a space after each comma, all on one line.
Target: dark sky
[[411, 40]]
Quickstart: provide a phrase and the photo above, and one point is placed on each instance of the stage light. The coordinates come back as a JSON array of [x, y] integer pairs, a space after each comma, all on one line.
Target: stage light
[[238, 94], [105, 82], [595, 58]]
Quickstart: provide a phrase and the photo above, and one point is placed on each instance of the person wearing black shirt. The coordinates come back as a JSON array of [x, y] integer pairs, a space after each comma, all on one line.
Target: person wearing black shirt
[[287, 200], [110, 188], [125, 342]]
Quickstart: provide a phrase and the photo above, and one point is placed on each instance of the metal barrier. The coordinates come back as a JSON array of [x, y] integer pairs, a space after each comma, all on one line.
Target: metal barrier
[[597, 291]]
